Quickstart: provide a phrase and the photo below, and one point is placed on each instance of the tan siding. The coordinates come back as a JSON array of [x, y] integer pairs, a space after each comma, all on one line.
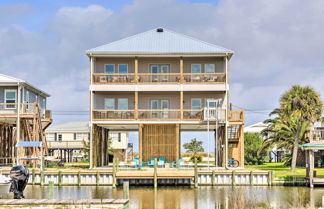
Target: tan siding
[[145, 98], [144, 63], [99, 98], [218, 61], [100, 64], [187, 96]]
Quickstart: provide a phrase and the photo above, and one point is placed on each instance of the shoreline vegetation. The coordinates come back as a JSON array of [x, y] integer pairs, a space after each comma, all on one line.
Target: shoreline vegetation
[[282, 171]]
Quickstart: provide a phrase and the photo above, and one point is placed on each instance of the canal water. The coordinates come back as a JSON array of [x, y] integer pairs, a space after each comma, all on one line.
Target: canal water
[[187, 198]]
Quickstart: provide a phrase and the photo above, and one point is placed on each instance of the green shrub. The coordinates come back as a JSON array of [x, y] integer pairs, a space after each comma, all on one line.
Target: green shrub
[[198, 157], [252, 143]]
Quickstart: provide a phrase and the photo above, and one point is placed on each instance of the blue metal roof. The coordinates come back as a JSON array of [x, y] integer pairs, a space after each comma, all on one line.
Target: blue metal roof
[[29, 144], [153, 42]]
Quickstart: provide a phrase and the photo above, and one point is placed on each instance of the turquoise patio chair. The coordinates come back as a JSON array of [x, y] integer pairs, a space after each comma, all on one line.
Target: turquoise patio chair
[[137, 162], [180, 162], [161, 162]]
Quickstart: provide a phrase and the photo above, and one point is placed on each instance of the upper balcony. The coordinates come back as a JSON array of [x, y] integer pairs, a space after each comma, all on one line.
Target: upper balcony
[[195, 70]]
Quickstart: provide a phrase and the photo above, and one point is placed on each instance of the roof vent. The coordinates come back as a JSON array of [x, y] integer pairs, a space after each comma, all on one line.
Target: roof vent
[[159, 30]]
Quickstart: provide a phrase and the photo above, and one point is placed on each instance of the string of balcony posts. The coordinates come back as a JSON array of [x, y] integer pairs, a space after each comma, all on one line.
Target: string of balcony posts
[[172, 78], [164, 114], [11, 109]]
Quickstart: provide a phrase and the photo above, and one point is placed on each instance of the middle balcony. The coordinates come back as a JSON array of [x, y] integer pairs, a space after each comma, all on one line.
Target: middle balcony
[[155, 106]]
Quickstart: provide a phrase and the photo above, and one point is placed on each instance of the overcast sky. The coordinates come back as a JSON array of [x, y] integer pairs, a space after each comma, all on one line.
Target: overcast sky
[[276, 43]]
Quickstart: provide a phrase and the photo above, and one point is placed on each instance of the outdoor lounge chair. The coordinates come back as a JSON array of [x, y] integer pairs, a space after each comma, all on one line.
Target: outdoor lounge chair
[[137, 162], [180, 163], [161, 162], [151, 162]]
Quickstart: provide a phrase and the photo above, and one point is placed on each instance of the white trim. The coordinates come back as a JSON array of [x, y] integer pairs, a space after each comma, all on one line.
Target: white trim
[[5, 98], [159, 87]]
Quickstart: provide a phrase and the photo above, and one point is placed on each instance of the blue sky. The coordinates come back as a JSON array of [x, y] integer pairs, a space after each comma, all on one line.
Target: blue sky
[[43, 42]]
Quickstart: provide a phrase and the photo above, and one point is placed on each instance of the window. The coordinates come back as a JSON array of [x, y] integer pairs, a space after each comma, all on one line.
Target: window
[[74, 136], [195, 104], [109, 104], [27, 96], [157, 104], [55, 136], [60, 137], [10, 98], [122, 68], [123, 104], [110, 68], [156, 69], [36, 99], [211, 104], [196, 68], [209, 68]]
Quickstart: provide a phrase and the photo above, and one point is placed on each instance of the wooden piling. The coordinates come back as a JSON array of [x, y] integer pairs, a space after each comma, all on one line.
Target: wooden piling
[[114, 173], [97, 178], [269, 178], [79, 178], [213, 178], [51, 190], [155, 173], [126, 190], [60, 178], [33, 177], [251, 178], [196, 173], [42, 178]]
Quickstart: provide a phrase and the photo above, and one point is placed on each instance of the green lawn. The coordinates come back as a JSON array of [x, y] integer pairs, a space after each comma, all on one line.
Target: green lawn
[[283, 171]]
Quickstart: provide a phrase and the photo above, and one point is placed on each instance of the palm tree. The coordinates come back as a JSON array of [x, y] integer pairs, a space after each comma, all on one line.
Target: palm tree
[[301, 104], [280, 134]]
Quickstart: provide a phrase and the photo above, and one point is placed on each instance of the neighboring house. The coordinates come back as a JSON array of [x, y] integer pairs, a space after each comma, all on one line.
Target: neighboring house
[[69, 141], [23, 117], [275, 155], [158, 83]]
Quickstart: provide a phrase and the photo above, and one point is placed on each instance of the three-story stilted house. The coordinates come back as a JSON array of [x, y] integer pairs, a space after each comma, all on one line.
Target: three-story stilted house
[[23, 117], [161, 83]]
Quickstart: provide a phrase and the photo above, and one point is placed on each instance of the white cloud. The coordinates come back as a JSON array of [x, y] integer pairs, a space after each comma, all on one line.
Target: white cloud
[[277, 43]]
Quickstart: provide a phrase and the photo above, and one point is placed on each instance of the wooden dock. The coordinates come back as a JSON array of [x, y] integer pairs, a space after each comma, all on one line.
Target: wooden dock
[[83, 203], [161, 176]]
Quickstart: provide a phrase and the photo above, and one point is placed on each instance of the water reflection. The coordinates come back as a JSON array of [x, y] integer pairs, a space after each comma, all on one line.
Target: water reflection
[[187, 198]]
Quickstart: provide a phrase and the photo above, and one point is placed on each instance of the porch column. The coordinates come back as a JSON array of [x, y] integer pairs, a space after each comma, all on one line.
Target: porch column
[[136, 69], [181, 70], [226, 111], [181, 105], [140, 136], [178, 141], [136, 105]]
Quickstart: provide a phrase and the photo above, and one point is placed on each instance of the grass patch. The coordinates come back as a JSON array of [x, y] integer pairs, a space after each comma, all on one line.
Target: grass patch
[[282, 171]]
